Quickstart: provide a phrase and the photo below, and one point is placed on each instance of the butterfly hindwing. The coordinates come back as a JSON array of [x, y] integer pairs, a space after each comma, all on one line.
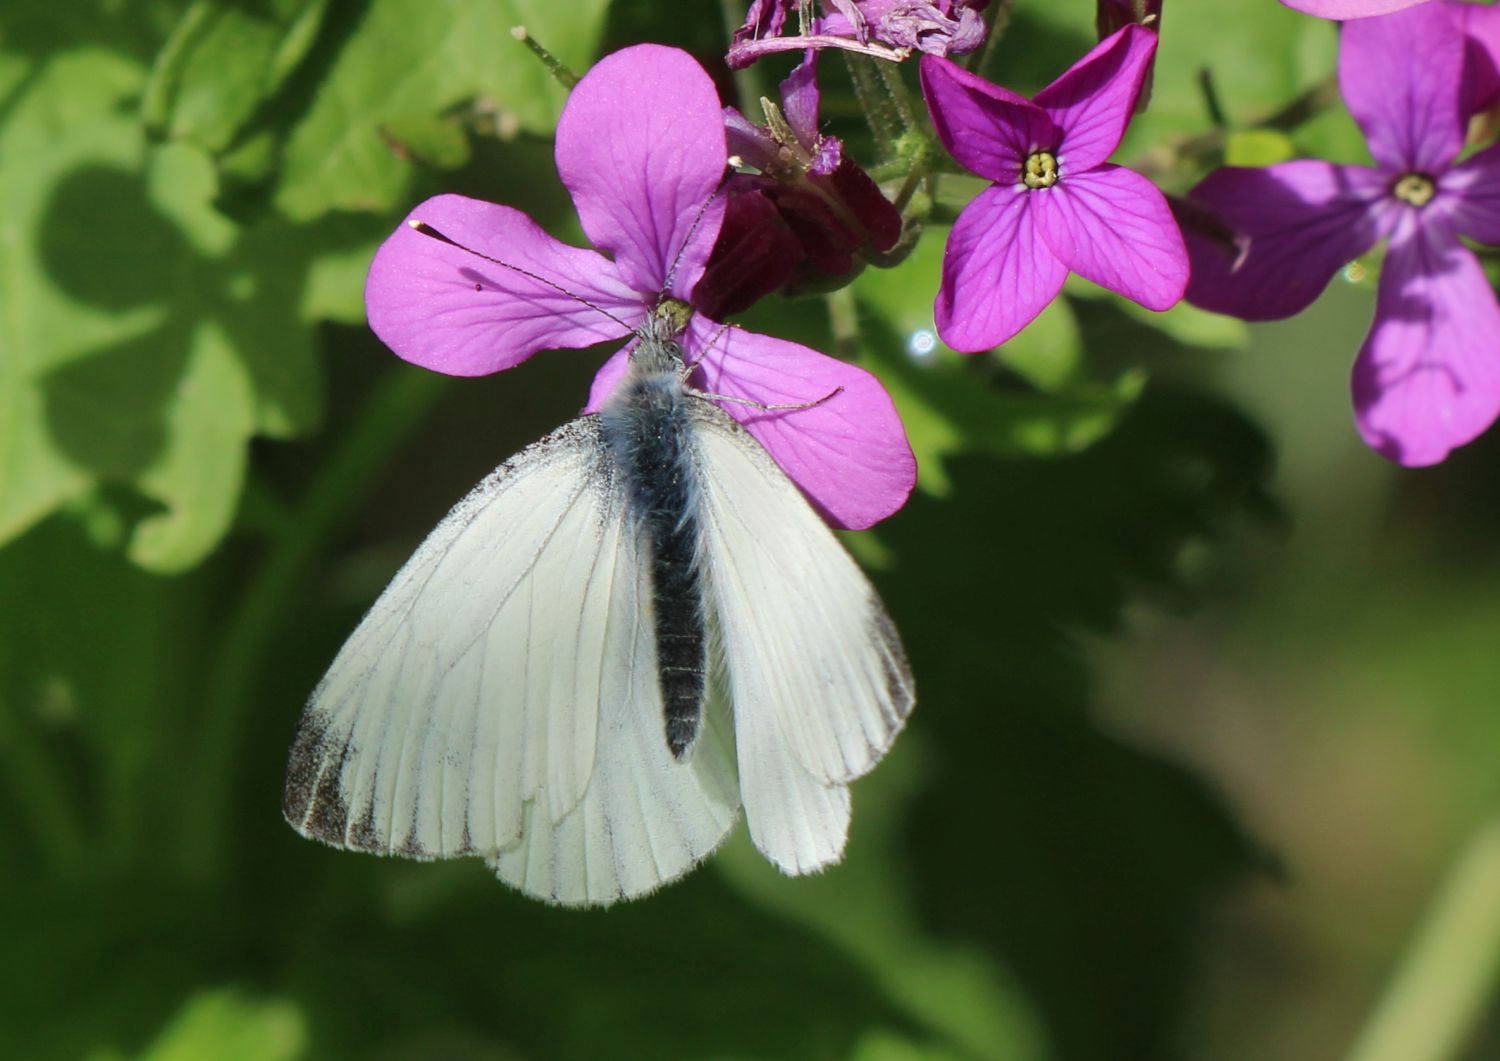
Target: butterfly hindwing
[[647, 817], [816, 673]]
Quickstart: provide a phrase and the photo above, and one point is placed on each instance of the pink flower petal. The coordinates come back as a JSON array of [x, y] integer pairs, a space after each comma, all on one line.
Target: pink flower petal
[[1111, 225], [641, 146], [849, 454], [1092, 102], [998, 274], [608, 378], [1481, 25], [444, 308], [988, 129], [1401, 76], [1472, 192], [1289, 229], [800, 98], [1428, 377], [1344, 9]]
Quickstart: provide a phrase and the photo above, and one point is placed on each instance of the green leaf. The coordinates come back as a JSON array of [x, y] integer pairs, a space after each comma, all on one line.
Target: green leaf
[[1047, 353], [221, 62], [1184, 323], [144, 337], [228, 1025], [953, 402], [436, 141], [1260, 58], [1258, 147], [407, 58], [960, 995]]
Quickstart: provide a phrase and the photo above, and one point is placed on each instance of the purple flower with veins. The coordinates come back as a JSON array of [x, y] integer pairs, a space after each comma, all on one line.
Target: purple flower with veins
[[1347, 9], [1427, 378], [1056, 206], [799, 221], [640, 146], [885, 29]]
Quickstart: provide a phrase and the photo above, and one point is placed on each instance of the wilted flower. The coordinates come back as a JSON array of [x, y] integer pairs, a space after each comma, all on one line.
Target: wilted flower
[[802, 218], [885, 29]]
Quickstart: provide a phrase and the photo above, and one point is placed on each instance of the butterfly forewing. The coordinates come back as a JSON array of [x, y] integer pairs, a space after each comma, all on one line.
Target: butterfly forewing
[[464, 715]]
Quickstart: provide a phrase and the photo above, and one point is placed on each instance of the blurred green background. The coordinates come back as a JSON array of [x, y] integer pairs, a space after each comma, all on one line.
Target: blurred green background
[[1204, 760]]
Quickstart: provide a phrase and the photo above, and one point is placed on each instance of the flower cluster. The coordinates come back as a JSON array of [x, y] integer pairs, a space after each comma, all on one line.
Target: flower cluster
[[693, 202]]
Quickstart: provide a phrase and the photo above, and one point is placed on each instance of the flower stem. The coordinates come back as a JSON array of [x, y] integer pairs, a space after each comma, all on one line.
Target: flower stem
[[395, 408], [1305, 107], [564, 76], [999, 23], [900, 95], [1211, 98], [874, 96], [1440, 988], [914, 178], [747, 80], [843, 319]]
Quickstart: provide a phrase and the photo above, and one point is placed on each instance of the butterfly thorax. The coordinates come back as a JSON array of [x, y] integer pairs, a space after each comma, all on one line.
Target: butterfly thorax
[[648, 429]]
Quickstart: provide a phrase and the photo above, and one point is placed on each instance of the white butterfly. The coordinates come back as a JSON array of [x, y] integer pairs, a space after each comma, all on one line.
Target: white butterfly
[[534, 686]]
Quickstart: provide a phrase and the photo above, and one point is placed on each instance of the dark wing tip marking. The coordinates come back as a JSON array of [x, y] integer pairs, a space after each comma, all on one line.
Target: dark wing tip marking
[[311, 800]]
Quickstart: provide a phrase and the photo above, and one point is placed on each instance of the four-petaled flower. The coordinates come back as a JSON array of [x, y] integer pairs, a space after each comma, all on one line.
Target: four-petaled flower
[[1056, 205], [885, 29], [640, 146], [1428, 376]]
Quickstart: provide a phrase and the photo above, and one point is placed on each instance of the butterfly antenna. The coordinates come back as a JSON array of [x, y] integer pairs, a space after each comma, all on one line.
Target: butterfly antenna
[[698, 220], [427, 230], [689, 367]]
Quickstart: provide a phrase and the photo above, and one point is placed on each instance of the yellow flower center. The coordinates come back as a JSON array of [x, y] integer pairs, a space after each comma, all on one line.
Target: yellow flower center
[[1416, 189], [1040, 170]]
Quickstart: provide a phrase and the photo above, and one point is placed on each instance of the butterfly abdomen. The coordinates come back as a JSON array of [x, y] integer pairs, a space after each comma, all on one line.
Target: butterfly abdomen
[[648, 430]]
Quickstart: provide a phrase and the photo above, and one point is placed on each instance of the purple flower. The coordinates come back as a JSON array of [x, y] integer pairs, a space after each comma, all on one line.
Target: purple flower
[[1056, 205], [1428, 376], [885, 29], [640, 146], [800, 221], [1346, 9]]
